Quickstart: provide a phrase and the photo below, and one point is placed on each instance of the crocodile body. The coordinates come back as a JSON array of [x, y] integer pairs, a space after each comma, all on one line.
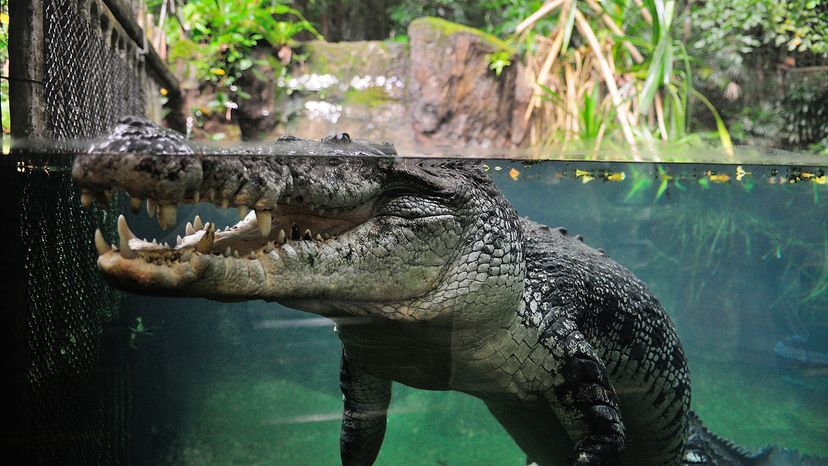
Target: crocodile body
[[432, 280]]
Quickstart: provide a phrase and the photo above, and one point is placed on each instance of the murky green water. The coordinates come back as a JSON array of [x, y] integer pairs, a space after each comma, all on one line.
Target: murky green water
[[737, 254]]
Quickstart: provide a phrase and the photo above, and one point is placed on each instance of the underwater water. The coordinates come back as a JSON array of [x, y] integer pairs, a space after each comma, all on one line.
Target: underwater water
[[738, 255]]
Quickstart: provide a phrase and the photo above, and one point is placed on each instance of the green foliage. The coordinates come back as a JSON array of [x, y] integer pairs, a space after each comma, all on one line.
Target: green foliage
[[499, 17], [743, 25], [4, 56], [221, 35], [499, 60]]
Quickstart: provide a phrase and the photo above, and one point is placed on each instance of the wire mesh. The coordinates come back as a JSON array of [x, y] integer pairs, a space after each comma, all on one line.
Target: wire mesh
[[79, 373]]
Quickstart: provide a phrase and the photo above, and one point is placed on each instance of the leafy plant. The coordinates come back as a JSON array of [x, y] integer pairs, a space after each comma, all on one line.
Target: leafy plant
[[499, 60], [217, 38], [642, 74], [4, 56]]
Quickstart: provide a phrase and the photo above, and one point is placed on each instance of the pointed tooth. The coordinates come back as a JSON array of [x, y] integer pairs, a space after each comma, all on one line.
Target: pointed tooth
[[263, 218], [152, 206], [243, 211], [205, 244], [236, 254], [154, 241], [178, 240], [211, 194], [325, 236], [166, 245], [318, 237], [225, 203], [167, 216], [197, 197], [197, 223], [135, 204], [228, 252], [86, 199], [294, 233], [282, 237], [268, 248], [100, 243], [251, 255], [307, 236], [189, 229], [124, 235]]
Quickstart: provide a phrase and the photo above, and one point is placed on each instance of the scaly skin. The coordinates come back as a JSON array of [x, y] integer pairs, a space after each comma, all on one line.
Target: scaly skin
[[432, 279]]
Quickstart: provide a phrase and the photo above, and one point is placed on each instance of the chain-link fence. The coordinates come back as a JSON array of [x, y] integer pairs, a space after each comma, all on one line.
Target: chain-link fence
[[77, 66]]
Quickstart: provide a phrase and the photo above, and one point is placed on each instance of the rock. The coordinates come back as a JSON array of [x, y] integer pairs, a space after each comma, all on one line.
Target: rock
[[256, 116], [453, 96]]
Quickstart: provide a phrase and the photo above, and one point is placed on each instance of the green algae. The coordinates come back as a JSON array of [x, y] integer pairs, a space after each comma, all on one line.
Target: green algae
[[449, 28], [369, 97]]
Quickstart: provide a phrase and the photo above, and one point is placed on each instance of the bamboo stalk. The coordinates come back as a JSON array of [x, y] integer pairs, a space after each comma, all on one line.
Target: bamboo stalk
[[644, 12], [536, 16], [636, 55], [662, 128], [543, 75], [621, 113]]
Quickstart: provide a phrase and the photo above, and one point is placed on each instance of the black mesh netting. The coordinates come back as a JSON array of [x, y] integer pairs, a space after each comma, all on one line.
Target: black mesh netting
[[91, 79], [77, 343]]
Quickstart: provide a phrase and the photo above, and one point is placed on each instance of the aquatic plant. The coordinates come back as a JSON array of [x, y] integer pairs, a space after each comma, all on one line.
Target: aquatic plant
[[698, 244]]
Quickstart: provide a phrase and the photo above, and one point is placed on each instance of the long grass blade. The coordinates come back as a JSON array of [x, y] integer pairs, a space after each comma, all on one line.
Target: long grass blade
[[572, 7], [544, 10], [621, 112], [721, 128]]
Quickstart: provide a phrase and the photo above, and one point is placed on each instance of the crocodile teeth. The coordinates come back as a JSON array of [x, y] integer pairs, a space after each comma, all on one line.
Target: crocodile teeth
[[294, 233], [197, 197], [282, 237], [268, 248], [135, 204], [307, 236], [197, 223], [124, 235], [243, 211], [225, 203], [152, 206], [205, 244], [167, 216], [228, 252], [189, 229], [318, 237], [86, 199], [178, 240], [100, 243], [236, 254], [263, 219]]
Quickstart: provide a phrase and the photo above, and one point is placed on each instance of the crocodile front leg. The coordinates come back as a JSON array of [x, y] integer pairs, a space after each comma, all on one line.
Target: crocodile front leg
[[366, 400], [583, 397]]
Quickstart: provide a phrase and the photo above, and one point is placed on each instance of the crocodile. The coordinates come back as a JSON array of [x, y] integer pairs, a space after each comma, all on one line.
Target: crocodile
[[432, 281]]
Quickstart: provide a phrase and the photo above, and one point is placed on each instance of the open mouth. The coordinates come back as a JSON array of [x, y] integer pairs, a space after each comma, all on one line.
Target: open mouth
[[258, 232]]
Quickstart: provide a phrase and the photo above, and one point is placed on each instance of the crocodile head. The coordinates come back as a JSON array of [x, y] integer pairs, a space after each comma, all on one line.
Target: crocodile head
[[338, 228]]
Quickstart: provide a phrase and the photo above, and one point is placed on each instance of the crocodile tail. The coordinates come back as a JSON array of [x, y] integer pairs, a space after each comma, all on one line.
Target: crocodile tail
[[706, 448]]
